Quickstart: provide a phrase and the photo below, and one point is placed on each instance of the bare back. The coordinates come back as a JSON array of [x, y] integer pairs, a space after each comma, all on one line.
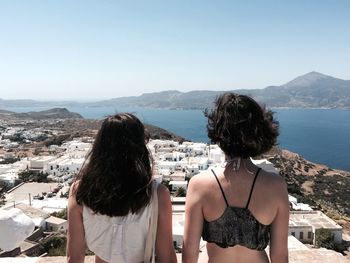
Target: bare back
[[268, 199]]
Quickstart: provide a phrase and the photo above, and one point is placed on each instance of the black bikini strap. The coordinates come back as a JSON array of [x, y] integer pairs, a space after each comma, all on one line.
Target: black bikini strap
[[222, 191], [251, 190]]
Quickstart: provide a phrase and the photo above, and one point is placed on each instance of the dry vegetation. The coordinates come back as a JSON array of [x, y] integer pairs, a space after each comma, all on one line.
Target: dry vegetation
[[318, 185]]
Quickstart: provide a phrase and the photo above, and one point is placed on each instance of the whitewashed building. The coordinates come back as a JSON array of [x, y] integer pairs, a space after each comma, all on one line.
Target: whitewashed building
[[55, 224], [216, 155], [303, 226], [166, 165], [192, 169], [64, 165], [40, 163], [266, 165]]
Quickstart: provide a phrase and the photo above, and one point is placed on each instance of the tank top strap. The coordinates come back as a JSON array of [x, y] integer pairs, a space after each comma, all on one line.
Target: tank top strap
[[222, 191], [251, 189]]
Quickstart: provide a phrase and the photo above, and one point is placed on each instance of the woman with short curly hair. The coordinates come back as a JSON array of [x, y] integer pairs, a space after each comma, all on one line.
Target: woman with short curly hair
[[240, 208]]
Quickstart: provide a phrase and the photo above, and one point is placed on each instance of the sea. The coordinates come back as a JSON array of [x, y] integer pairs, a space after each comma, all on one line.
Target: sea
[[319, 135]]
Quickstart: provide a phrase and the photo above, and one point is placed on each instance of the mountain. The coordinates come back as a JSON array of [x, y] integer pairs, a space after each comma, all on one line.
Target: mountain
[[166, 99], [55, 113], [312, 90], [35, 103]]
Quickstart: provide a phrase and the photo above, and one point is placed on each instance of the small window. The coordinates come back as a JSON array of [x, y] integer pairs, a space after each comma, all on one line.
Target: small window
[[309, 235], [301, 235], [293, 234]]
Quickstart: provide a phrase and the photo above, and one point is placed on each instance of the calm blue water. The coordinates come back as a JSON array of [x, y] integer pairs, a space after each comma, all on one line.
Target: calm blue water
[[319, 135]]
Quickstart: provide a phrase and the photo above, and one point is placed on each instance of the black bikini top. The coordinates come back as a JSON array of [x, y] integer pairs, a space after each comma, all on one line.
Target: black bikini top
[[237, 226]]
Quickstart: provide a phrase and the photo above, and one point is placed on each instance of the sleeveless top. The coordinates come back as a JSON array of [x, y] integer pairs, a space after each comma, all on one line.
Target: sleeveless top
[[119, 239], [237, 226]]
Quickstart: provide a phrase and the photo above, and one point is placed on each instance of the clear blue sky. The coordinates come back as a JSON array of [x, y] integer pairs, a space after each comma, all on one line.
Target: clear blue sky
[[99, 49]]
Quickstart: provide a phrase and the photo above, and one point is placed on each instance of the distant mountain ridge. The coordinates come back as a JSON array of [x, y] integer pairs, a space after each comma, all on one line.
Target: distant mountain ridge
[[55, 113], [312, 90]]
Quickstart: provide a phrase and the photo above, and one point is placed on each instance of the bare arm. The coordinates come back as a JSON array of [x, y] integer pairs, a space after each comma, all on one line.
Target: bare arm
[[193, 224], [164, 241], [76, 235], [279, 227]]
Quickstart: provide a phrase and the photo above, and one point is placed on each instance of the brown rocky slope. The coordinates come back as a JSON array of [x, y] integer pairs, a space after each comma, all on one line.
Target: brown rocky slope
[[322, 187]]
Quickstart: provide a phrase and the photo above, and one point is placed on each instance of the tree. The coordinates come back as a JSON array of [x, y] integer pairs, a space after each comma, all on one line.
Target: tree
[[167, 184], [9, 160], [324, 238], [40, 177], [55, 245], [2, 199], [62, 214], [180, 192], [3, 188], [25, 175]]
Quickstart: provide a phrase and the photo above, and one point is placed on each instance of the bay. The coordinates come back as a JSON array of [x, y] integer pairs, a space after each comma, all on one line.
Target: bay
[[319, 135]]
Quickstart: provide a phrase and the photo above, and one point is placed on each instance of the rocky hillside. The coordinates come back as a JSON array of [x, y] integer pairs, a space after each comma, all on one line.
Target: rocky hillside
[[318, 185], [72, 128]]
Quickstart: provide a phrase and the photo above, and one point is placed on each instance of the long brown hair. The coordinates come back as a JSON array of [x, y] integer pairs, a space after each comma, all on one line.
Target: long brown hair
[[116, 178]]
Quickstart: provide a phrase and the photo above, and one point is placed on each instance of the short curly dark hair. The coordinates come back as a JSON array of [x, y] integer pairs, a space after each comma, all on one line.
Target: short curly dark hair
[[240, 126]]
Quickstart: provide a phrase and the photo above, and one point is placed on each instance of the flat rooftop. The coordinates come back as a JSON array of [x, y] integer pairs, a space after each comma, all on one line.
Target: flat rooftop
[[55, 220], [31, 211], [22, 192], [316, 219]]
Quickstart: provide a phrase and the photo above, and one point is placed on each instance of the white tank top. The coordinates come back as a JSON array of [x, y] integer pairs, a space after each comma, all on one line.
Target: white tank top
[[119, 239]]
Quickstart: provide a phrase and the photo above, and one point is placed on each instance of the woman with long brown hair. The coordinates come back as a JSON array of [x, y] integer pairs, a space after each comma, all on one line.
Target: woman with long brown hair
[[111, 203], [239, 208]]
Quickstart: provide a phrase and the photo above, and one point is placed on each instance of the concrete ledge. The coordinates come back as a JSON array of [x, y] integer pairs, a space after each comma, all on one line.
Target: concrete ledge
[[295, 256], [14, 188]]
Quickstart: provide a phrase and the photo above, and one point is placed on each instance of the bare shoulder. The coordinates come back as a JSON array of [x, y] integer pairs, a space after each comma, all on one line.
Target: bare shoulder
[[203, 179], [201, 187], [271, 179], [163, 191], [164, 202], [74, 188], [273, 182], [72, 201]]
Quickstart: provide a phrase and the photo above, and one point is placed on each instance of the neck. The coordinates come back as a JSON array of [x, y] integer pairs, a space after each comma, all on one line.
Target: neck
[[237, 163]]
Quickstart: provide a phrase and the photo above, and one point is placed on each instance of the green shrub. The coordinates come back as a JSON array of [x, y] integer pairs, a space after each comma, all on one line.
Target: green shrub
[[324, 238], [180, 192]]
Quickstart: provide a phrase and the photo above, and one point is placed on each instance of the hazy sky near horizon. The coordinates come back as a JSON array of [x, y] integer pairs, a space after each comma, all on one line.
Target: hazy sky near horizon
[[86, 50]]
